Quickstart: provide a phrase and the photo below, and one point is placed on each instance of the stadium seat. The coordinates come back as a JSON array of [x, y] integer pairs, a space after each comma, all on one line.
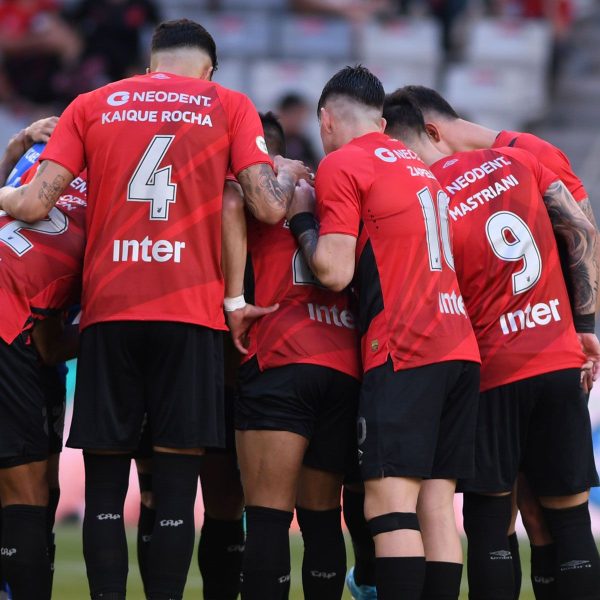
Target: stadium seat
[[314, 37], [394, 74]]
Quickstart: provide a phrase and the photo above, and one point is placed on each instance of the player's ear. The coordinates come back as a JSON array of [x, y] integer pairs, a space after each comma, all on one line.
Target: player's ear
[[433, 132], [325, 118], [382, 125], [147, 70]]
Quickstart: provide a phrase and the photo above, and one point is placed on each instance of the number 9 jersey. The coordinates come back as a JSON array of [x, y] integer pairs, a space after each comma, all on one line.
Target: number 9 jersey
[[508, 265]]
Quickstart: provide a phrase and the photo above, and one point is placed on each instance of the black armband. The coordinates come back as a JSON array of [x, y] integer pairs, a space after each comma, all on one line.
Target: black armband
[[302, 222], [585, 323]]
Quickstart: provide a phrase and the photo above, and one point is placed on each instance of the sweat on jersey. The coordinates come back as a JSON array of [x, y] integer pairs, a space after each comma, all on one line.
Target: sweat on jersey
[[42, 261], [312, 325], [507, 263], [410, 305], [157, 148]]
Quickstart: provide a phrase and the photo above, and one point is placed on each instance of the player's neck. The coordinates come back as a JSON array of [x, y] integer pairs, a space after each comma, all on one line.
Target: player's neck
[[428, 153], [471, 136], [183, 62]]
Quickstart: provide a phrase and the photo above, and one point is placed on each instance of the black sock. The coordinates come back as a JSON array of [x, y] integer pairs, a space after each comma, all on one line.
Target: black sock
[[489, 559], [324, 562], [442, 581], [577, 560], [362, 540], [104, 541], [24, 551], [400, 578], [513, 542], [220, 555], [144, 537], [543, 567], [175, 484], [53, 498], [266, 569]]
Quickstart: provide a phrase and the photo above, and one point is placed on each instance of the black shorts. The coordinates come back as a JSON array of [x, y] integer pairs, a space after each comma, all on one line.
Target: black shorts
[[171, 372], [55, 391], [540, 425], [315, 402], [418, 422], [23, 419]]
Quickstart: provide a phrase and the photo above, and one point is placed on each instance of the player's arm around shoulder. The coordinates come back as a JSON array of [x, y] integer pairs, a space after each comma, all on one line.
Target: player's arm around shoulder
[[33, 201]]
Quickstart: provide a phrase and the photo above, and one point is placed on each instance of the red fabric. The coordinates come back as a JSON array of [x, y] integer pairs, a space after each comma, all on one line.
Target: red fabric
[[550, 156], [313, 325], [41, 267], [368, 189], [162, 265], [541, 338]]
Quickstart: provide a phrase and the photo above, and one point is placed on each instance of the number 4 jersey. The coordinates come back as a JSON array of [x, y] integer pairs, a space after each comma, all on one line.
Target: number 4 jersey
[[410, 305], [157, 149], [41, 263], [507, 263]]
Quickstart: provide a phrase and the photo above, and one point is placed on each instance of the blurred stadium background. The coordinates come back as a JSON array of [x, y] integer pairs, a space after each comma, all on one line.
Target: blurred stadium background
[[509, 64]]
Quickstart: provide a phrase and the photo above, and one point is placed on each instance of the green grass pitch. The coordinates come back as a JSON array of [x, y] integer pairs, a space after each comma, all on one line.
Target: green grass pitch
[[70, 582]]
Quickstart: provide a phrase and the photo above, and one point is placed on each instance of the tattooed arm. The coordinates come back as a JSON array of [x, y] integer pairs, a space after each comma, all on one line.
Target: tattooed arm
[[330, 257], [267, 195], [580, 236], [33, 201]]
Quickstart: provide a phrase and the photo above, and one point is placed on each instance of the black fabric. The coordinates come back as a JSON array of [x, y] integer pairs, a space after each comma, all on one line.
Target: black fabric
[[324, 561], [25, 562], [23, 421], [316, 402], [266, 568], [175, 484], [145, 482], [220, 555], [104, 541], [171, 372], [368, 281], [489, 560], [577, 559], [52, 380], [53, 499], [442, 581], [400, 578], [362, 540], [145, 528], [585, 323], [231, 393], [540, 425], [302, 222], [543, 567], [393, 522], [513, 542], [108, 596], [418, 422]]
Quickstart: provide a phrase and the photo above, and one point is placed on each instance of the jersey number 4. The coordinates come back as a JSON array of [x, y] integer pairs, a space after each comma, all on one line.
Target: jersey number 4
[[151, 184], [11, 234]]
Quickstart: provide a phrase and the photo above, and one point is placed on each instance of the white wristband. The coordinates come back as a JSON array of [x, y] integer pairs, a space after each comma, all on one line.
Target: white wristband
[[231, 304]]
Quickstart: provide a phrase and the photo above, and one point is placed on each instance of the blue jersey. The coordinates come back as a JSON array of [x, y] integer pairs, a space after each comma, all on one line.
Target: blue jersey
[[24, 164]]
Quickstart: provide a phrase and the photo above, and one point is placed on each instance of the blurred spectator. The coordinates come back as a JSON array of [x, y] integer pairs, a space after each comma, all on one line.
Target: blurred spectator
[[448, 13], [112, 30], [356, 10], [293, 112], [35, 43]]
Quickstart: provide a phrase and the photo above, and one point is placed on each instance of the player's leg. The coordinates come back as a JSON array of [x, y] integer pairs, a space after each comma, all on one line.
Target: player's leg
[[560, 468], [146, 518], [183, 371], [221, 546], [107, 419], [331, 453], [543, 557], [513, 542], [454, 458]]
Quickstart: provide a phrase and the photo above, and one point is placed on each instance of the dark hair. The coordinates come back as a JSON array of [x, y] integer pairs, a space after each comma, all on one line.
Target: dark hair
[[291, 100], [430, 100], [182, 33], [274, 135], [357, 83], [404, 118]]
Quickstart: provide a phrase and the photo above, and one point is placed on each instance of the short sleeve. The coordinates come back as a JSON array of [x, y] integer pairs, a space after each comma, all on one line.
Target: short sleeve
[[543, 175], [338, 196], [66, 144], [248, 146]]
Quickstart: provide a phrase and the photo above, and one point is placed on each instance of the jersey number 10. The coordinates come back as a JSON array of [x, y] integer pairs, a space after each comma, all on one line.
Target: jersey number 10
[[432, 215]]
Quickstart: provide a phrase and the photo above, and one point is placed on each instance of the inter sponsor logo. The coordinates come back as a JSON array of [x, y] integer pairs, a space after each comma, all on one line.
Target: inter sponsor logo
[[539, 314], [452, 304], [147, 250], [331, 315]]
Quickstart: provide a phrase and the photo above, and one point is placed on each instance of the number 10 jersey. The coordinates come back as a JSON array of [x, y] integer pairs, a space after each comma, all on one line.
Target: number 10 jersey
[[157, 148]]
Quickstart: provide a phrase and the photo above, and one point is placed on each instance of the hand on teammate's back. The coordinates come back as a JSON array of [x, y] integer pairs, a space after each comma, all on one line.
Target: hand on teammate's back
[[303, 200], [240, 321], [296, 168], [591, 348], [38, 131]]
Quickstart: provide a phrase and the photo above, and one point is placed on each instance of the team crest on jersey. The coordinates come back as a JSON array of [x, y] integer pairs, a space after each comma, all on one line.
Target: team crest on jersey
[[449, 163], [262, 145]]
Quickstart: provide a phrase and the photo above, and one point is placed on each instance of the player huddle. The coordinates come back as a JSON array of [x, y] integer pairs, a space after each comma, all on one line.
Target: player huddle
[[410, 331]]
